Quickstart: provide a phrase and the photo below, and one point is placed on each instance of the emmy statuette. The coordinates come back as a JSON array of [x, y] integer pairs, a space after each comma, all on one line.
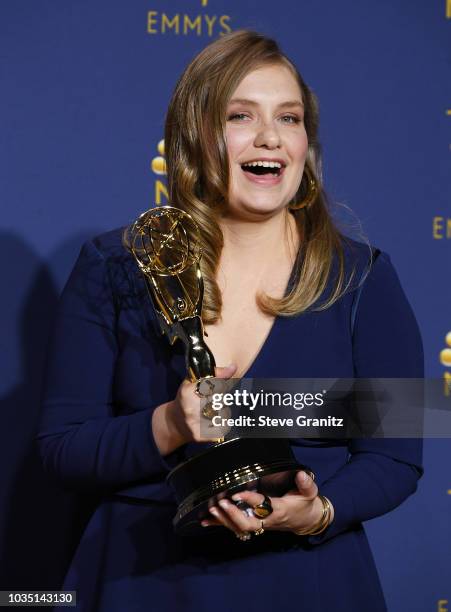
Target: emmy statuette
[[166, 245]]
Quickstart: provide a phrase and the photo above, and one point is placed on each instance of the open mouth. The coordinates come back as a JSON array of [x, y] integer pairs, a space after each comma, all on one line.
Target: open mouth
[[261, 168]]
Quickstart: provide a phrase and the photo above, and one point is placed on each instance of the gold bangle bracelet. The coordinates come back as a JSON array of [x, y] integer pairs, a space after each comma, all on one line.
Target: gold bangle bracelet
[[327, 518], [323, 522]]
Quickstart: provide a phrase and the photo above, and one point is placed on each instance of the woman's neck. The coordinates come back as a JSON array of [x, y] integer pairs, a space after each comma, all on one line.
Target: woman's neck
[[260, 241], [256, 251]]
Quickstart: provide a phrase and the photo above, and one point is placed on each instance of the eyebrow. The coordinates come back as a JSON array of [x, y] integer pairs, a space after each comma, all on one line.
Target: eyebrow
[[287, 104]]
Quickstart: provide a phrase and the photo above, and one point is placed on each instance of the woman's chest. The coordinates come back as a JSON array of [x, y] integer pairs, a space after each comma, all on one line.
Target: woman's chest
[[239, 336], [313, 345]]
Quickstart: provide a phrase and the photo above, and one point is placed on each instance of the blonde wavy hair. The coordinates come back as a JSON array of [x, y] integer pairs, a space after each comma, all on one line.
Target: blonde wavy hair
[[198, 172]]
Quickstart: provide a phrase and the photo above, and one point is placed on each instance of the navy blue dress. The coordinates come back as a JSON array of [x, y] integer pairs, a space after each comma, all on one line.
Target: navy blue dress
[[109, 368]]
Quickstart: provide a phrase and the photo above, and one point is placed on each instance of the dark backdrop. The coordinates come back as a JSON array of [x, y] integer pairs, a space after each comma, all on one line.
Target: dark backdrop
[[84, 89]]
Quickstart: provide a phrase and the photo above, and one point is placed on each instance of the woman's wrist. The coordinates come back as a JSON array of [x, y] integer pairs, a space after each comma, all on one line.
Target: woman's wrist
[[322, 516], [316, 514], [165, 429]]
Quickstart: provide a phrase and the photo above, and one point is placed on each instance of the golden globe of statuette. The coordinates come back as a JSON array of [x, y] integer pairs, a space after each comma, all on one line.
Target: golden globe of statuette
[[448, 338], [160, 147], [159, 165], [445, 357], [165, 241]]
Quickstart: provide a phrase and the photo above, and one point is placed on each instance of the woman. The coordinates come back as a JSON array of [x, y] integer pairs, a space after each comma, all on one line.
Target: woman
[[286, 296]]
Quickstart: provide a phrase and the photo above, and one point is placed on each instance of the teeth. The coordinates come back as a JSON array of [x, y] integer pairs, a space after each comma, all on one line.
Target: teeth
[[264, 164]]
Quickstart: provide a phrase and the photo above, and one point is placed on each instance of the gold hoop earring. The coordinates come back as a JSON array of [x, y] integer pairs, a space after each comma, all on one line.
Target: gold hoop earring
[[312, 192]]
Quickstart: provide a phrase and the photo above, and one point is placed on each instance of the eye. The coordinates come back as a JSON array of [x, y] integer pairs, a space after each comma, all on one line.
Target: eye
[[236, 117], [291, 119]]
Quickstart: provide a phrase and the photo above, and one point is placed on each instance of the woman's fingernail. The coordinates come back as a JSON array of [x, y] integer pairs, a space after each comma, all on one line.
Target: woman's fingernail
[[224, 503], [304, 476], [205, 523], [214, 510], [236, 497]]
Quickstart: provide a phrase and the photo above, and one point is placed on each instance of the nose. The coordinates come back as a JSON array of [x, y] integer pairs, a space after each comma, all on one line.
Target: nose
[[267, 136]]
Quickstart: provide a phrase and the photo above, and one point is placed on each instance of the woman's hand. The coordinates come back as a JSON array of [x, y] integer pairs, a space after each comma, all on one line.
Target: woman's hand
[[179, 421], [298, 509]]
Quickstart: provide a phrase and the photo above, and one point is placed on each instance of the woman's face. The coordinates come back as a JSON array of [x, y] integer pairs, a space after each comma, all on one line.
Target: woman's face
[[265, 128]]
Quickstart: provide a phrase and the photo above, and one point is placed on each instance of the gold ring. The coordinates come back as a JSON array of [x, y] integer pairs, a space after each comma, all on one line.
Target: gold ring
[[207, 383], [207, 411], [264, 509], [260, 530], [244, 536]]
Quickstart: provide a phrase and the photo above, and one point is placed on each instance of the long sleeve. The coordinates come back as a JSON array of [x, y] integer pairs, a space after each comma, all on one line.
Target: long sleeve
[[81, 441], [380, 473]]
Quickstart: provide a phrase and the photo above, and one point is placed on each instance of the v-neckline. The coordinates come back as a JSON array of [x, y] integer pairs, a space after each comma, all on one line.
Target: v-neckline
[[263, 345], [258, 354]]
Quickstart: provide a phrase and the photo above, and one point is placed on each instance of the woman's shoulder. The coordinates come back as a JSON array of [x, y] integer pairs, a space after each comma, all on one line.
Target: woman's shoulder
[[365, 262], [108, 251], [363, 259], [368, 269], [352, 261], [104, 262], [358, 254], [108, 244]]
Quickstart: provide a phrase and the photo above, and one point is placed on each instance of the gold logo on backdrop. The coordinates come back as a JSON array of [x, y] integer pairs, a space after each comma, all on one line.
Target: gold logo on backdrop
[[158, 166], [445, 360], [441, 227], [181, 23], [442, 605], [448, 9]]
